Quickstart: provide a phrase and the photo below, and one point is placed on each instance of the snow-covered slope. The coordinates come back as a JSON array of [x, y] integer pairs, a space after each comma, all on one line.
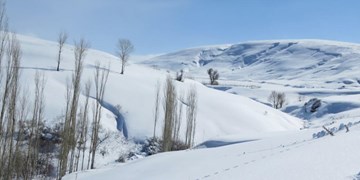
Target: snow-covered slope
[[303, 69], [238, 137], [134, 92], [281, 156], [281, 59]]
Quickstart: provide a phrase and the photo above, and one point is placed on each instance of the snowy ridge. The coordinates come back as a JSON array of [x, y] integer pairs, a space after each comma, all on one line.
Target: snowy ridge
[[280, 59]]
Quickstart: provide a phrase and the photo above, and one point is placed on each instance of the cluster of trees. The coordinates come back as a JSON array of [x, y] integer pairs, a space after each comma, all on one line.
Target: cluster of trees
[[78, 127], [27, 146], [172, 104], [277, 99], [75, 140], [213, 76], [21, 120]]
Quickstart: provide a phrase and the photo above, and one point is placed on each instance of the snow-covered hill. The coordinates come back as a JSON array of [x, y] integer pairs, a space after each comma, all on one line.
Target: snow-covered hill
[[303, 69], [134, 92], [239, 136], [274, 59]]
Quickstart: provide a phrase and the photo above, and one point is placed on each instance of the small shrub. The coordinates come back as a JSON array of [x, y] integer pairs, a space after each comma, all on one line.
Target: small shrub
[[179, 145], [180, 76], [152, 146]]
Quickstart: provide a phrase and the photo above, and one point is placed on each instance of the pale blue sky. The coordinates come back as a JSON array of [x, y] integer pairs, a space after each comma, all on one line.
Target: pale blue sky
[[156, 26]]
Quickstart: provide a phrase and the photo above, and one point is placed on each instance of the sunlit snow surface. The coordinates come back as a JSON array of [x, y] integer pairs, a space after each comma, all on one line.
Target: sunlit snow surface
[[239, 135]]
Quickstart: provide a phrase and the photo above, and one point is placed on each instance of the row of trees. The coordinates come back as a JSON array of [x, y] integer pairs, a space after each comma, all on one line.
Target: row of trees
[[77, 127], [26, 144], [124, 49], [173, 104], [21, 120], [15, 160]]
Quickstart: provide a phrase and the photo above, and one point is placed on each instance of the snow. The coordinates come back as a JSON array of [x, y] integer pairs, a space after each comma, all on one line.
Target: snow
[[134, 93], [239, 136], [290, 155]]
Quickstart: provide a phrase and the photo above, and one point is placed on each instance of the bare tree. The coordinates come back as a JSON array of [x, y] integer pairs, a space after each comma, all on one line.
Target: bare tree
[[4, 33], [69, 139], [191, 111], [100, 80], [4, 45], [61, 41], [214, 76], [277, 99], [178, 118], [157, 103], [169, 105], [82, 129], [11, 109], [84, 124], [35, 123], [124, 48]]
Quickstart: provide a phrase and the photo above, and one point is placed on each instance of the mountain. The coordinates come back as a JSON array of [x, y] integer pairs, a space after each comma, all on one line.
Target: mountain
[[303, 69], [314, 60]]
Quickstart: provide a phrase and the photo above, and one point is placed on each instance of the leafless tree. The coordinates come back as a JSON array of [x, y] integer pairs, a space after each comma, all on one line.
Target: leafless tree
[[277, 99], [191, 111], [169, 105], [69, 138], [100, 80], [4, 33], [157, 103], [35, 123], [124, 48], [82, 130], [213, 75], [84, 124], [61, 41], [178, 119]]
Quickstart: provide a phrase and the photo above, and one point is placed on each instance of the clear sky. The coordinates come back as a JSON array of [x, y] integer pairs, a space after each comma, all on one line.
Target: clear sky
[[157, 26]]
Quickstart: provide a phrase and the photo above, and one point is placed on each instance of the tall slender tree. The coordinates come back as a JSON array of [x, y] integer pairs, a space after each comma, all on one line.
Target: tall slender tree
[[169, 105], [69, 140], [191, 116], [157, 104], [61, 41], [100, 80]]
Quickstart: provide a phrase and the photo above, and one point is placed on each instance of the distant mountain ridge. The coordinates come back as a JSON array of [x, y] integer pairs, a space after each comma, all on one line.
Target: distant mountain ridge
[[271, 59]]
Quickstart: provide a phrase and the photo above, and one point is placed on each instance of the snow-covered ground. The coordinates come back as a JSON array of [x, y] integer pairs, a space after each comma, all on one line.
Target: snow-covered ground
[[286, 155], [135, 92], [302, 69], [239, 135]]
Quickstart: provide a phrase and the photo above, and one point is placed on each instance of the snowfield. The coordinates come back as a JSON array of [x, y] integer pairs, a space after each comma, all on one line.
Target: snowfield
[[238, 134], [290, 155], [134, 92]]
